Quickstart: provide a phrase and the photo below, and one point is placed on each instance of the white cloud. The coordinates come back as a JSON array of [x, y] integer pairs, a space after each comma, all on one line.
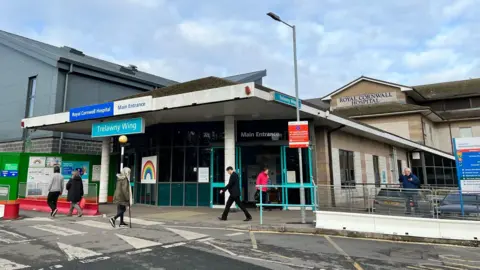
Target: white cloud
[[409, 42]]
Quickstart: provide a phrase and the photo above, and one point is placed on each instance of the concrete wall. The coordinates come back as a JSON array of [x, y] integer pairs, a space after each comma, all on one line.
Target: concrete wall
[[407, 126], [443, 139], [367, 87], [15, 71]]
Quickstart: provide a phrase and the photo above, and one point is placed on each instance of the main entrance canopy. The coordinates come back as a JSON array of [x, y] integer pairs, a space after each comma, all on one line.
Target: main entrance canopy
[[208, 100]]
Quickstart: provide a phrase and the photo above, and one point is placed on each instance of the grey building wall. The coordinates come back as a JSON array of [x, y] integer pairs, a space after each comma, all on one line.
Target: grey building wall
[[15, 70]]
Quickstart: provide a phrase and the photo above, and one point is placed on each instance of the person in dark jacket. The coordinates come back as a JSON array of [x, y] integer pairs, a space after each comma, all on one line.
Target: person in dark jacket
[[75, 193], [233, 188], [410, 184], [121, 197]]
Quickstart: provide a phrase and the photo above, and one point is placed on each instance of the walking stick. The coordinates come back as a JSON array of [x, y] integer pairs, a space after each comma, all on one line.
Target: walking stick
[[130, 216], [130, 203]]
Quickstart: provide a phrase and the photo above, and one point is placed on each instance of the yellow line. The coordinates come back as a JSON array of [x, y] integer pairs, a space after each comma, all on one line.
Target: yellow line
[[455, 258], [339, 249], [370, 239]]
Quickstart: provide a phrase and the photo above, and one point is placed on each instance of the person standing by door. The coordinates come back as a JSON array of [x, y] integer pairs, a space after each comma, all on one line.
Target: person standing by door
[[55, 189], [262, 180], [121, 197], [75, 193], [233, 188]]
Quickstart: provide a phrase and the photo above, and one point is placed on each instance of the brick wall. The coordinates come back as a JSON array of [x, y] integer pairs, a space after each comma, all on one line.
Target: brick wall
[[50, 145]]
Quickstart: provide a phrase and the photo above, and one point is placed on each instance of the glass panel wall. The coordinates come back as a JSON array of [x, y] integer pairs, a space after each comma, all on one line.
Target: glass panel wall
[[440, 171]]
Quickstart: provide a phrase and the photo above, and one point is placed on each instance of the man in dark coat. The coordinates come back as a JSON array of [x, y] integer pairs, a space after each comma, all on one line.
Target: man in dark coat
[[75, 193], [410, 184], [233, 188]]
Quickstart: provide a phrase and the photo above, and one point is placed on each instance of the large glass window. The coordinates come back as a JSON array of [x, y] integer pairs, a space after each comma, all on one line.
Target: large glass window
[[32, 89], [178, 162], [347, 171], [164, 158], [191, 164]]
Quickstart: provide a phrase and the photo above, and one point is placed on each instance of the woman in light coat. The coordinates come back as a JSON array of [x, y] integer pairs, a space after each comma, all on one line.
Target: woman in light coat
[[122, 196]]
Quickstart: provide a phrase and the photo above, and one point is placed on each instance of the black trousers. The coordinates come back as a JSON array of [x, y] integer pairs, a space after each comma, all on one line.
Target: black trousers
[[230, 201], [120, 212], [52, 199]]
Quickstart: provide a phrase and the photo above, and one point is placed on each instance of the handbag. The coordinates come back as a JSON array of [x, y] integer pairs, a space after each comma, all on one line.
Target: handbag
[[257, 196], [82, 203]]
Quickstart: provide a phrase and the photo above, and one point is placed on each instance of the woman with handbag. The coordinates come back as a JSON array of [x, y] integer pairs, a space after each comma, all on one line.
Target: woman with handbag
[[75, 193]]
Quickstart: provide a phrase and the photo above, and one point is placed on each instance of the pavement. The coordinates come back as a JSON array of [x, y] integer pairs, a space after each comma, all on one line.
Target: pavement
[[191, 238]]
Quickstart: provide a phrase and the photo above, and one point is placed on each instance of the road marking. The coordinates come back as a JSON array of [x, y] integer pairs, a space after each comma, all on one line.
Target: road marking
[[76, 252], [142, 222], [38, 219], [57, 230], [187, 234], [11, 237], [139, 251], [220, 248], [272, 253], [174, 245], [339, 249], [95, 224], [254, 240], [207, 228], [95, 259], [138, 243], [234, 234], [270, 261], [206, 239], [9, 265], [456, 258]]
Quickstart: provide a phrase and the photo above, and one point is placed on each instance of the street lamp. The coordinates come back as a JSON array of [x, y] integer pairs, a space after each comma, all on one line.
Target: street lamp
[[300, 162], [122, 140]]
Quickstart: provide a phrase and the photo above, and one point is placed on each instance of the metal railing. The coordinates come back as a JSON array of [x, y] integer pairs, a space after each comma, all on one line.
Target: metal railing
[[284, 203], [4, 193], [431, 202], [39, 191]]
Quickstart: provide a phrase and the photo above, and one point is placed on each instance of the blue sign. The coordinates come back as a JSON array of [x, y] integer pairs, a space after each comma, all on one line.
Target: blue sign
[[91, 112], [288, 100], [9, 174], [117, 128]]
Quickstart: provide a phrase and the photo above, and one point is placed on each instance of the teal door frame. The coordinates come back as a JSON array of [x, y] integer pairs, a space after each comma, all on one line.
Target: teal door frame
[[238, 169], [307, 185]]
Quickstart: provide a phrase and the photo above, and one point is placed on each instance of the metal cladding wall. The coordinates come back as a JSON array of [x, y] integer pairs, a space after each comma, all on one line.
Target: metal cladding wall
[[15, 71]]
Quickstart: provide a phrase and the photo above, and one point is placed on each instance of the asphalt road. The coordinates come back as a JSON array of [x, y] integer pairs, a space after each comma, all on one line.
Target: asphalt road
[[91, 243]]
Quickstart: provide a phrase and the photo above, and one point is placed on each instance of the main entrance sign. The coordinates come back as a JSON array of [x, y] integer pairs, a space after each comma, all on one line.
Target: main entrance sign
[[298, 134], [120, 127], [366, 99]]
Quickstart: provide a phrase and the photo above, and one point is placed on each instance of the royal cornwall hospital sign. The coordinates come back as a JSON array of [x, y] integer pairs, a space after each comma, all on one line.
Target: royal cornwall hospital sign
[[366, 99]]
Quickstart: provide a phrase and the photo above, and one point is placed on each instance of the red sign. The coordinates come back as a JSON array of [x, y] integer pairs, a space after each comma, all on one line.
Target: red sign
[[298, 134]]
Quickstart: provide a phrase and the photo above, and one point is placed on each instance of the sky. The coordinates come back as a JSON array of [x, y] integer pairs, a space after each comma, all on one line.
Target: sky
[[408, 42]]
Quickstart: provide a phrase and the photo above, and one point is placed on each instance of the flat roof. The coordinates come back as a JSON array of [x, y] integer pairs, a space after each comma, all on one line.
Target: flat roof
[[245, 101]]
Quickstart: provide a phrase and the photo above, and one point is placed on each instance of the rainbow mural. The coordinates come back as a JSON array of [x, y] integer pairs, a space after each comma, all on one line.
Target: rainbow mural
[[149, 172]]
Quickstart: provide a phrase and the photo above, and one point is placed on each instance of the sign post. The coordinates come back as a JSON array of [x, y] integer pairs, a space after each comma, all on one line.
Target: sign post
[[467, 159]]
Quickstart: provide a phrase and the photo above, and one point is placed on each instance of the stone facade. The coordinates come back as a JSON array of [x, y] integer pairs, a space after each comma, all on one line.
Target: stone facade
[[51, 145]]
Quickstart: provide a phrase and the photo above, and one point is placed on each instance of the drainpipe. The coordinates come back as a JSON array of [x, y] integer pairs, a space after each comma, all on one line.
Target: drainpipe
[[451, 137], [330, 160], [65, 95]]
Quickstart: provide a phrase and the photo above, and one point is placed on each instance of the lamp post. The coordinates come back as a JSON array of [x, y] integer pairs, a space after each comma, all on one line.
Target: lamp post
[[123, 141], [300, 162]]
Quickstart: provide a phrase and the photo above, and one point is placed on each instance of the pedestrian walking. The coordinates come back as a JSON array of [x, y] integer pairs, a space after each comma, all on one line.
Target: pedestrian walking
[[410, 184], [262, 179], [75, 193], [233, 188], [121, 197], [55, 189]]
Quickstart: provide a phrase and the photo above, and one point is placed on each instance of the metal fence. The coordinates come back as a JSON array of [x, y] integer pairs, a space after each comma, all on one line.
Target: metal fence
[[431, 202], [39, 191]]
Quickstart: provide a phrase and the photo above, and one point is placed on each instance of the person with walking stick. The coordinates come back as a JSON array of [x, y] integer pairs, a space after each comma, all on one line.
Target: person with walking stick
[[122, 196]]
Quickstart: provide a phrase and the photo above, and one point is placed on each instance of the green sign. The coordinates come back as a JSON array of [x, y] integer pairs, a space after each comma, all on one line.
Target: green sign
[[288, 100], [11, 167]]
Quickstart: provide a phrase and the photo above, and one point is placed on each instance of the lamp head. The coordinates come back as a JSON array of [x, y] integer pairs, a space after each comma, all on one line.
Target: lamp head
[[274, 16], [123, 139]]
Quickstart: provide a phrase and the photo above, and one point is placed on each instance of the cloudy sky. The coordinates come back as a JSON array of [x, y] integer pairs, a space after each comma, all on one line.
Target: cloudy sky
[[409, 41]]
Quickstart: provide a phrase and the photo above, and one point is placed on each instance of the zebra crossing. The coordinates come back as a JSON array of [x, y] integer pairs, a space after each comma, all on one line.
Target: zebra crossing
[[26, 242]]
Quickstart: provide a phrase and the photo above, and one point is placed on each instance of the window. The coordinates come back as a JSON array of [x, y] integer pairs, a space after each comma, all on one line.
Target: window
[[457, 104], [164, 158], [347, 171], [191, 174], [32, 89], [376, 171], [178, 162], [466, 132], [399, 168]]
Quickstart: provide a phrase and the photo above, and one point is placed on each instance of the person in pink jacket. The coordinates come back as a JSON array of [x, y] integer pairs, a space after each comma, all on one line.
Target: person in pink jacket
[[262, 179]]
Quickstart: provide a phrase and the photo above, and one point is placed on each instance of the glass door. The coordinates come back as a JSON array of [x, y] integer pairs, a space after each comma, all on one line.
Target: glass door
[[217, 175], [290, 171]]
